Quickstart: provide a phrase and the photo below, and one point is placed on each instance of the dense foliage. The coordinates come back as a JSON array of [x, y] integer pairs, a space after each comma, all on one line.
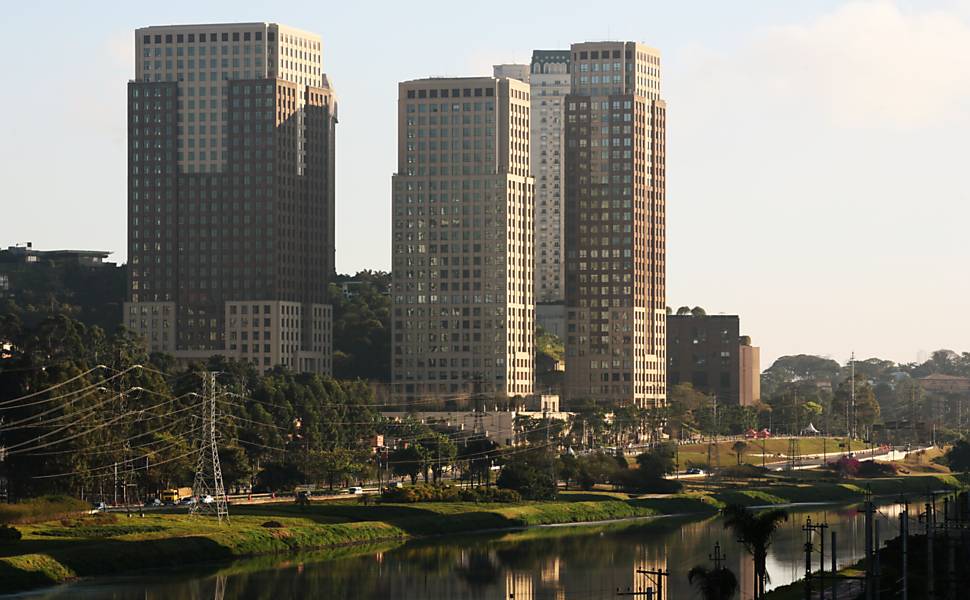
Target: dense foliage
[[113, 405], [362, 326]]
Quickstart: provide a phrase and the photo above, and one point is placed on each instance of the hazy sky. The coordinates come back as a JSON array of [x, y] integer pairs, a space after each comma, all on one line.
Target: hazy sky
[[817, 151]]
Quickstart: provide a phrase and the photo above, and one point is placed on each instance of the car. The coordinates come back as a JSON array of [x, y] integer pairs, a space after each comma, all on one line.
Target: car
[[394, 485], [355, 490], [187, 501], [207, 499], [153, 502], [98, 507], [695, 471]]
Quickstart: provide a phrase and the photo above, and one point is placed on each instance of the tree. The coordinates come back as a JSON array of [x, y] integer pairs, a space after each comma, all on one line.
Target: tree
[[406, 462], [567, 468], [755, 533], [687, 409], [596, 467], [683, 311], [656, 463], [864, 411], [713, 584], [697, 311], [361, 326], [739, 447], [958, 456], [530, 474], [330, 465]]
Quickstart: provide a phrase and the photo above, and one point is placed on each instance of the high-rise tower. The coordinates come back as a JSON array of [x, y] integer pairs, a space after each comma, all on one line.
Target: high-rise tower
[[231, 194], [615, 222], [462, 240]]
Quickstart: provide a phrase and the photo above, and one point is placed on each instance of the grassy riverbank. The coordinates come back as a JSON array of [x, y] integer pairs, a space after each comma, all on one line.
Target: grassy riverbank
[[57, 551], [812, 486], [52, 552]]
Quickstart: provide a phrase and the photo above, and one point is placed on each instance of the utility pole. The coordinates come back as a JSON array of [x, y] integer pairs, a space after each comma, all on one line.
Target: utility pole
[[869, 509], [809, 529], [853, 424], [930, 575], [835, 567], [904, 536], [655, 578], [208, 472]]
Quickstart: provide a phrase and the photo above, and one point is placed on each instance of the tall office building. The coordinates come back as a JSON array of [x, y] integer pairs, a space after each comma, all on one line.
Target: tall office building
[[550, 85], [462, 240], [614, 222], [708, 352], [231, 194]]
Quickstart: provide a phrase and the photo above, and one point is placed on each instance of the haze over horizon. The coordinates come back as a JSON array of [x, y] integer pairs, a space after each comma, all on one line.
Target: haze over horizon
[[814, 150]]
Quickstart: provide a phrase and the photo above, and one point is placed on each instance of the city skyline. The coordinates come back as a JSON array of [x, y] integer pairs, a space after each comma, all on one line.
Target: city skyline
[[823, 149]]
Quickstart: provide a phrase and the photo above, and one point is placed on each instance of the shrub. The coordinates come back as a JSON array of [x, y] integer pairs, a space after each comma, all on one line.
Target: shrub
[[744, 471], [449, 493], [481, 494], [846, 467], [421, 493], [871, 468], [44, 508], [640, 481], [9, 535]]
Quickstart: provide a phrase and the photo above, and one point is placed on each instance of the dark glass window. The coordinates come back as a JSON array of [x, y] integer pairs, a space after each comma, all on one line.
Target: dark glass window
[[168, 38], [225, 37], [147, 39], [179, 38]]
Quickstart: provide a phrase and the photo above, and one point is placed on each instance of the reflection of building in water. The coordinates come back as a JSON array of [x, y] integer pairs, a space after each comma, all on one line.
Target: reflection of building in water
[[518, 586], [650, 559], [745, 574], [550, 572]]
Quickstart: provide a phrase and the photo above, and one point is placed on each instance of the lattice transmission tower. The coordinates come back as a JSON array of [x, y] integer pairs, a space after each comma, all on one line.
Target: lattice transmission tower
[[208, 471]]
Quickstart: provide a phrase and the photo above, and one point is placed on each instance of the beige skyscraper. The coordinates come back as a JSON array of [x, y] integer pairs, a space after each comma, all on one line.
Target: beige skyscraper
[[615, 222], [231, 194], [462, 240]]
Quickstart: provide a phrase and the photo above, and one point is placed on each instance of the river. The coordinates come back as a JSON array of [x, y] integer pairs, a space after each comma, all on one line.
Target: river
[[546, 563]]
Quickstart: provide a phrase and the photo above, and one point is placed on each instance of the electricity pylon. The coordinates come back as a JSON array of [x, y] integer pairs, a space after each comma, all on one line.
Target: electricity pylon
[[208, 471]]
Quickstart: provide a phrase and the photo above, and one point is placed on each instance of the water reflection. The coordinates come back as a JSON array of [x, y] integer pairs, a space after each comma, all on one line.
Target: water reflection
[[582, 563]]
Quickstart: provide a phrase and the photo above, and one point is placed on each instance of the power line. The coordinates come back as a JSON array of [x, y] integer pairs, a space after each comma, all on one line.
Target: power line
[[83, 433], [61, 384]]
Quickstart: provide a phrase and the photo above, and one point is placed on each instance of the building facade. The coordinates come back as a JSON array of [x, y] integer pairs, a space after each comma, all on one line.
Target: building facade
[[231, 194], [550, 84], [749, 361], [614, 199], [708, 352], [462, 240]]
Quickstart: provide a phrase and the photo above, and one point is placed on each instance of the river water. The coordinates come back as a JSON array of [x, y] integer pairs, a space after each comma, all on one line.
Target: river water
[[548, 563]]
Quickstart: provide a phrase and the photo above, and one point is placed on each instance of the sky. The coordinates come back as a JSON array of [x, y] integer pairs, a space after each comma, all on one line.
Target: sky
[[816, 151]]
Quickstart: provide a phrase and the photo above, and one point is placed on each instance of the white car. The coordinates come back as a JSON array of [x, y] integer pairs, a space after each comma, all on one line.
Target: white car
[[207, 499], [355, 490]]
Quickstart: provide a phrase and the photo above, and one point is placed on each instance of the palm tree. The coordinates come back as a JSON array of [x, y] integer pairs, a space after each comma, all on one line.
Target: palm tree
[[739, 448], [713, 584], [754, 532]]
